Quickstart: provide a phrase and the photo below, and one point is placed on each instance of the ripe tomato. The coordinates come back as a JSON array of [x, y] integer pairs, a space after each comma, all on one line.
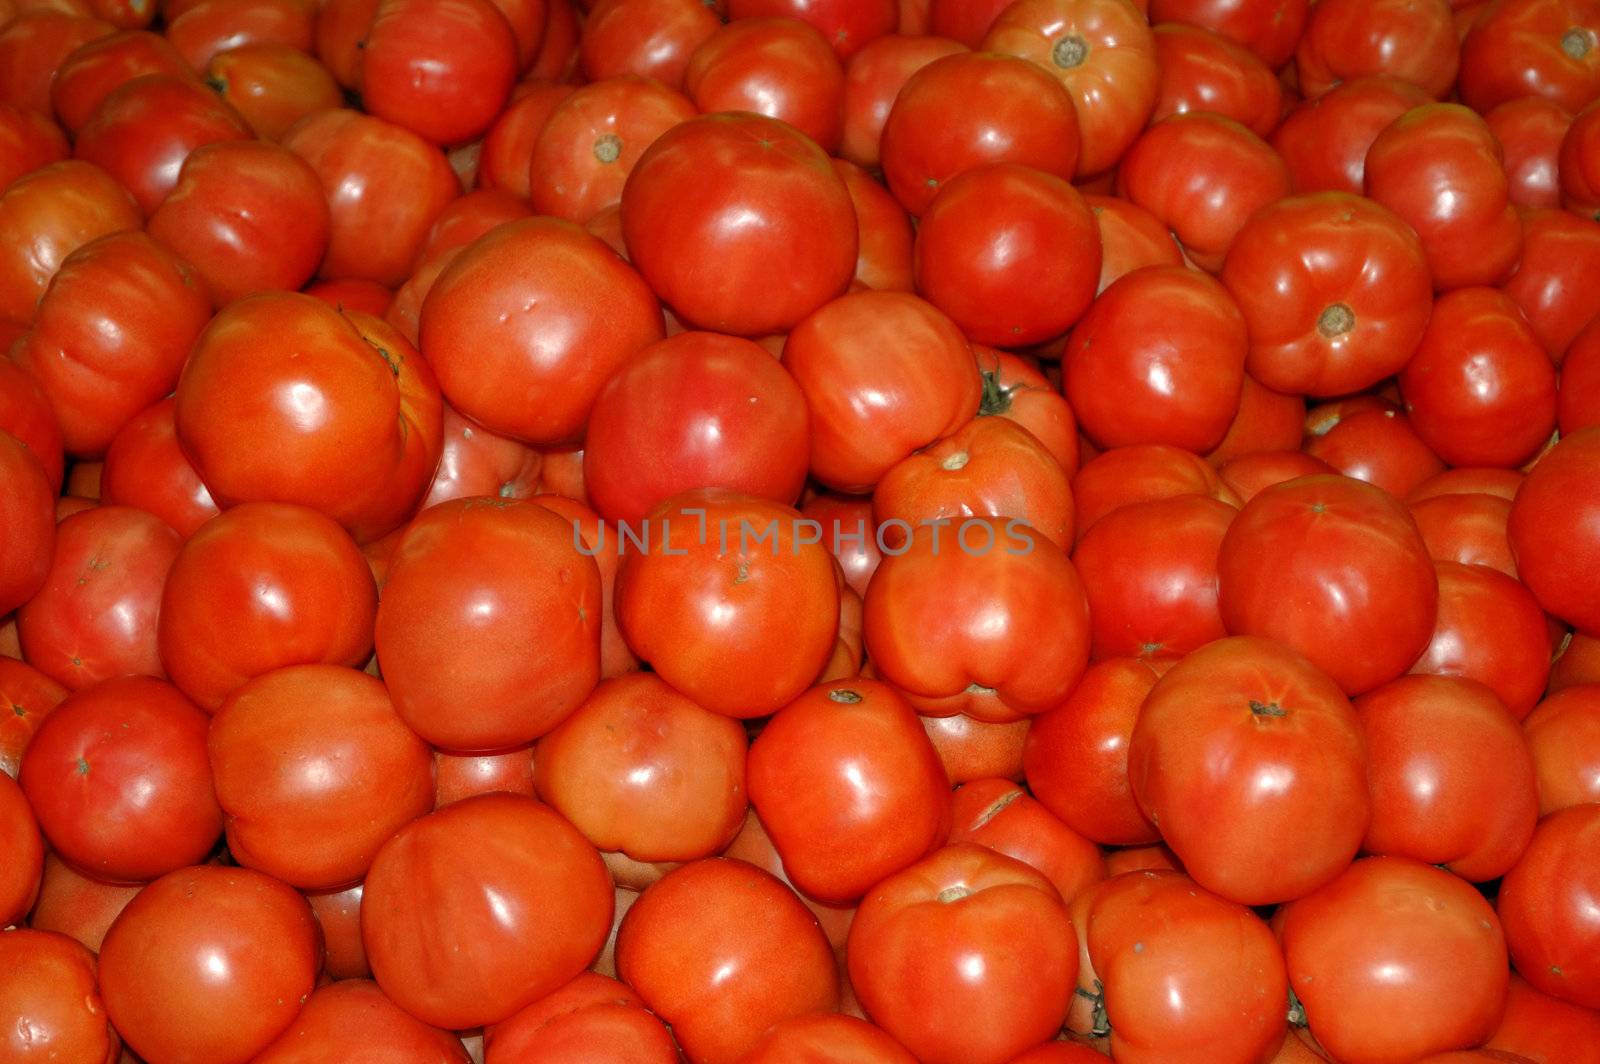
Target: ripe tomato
[[475, 461], [48, 994], [1530, 131], [30, 695], [1349, 39], [1490, 629], [974, 749], [1324, 141], [353, 1021], [1012, 254], [508, 147], [1555, 282], [1578, 404], [1544, 1028], [19, 883], [472, 582], [1339, 550], [33, 46], [965, 110], [779, 67], [959, 20], [640, 769], [874, 77], [1404, 939], [147, 469], [823, 1036], [46, 216], [849, 788], [1141, 473], [1015, 389], [720, 950], [273, 86], [1376, 444], [1204, 71], [338, 914], [1564, 734], [209, 963], [27, 511], [91, 72], [25, 413], [1268, 28], [1130, 237], [202, 29], [980, 934], [1546, 903], [440, 68], [522, 1033], [1466, 528], [1250, 474], [1000, 815], [76, 905], [1532, 48], [883, 257], [883, 374], [651, 38], [1555, 533], [740, 223]]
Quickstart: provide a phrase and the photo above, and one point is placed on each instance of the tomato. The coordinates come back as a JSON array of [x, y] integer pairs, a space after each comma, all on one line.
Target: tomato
[[440, 68], [25, 413], [356, 1023], [27, 513], [651, 38], [821, 1037], [1252, 473], [1001, 816], [1576, 161], [1337, 549], [728, 601], [1059, 1053], [974, 750], [1016, 390], [1204, 71], [1564, 734], [1466, 528], [883, 374], [209, 963], [980, 934], [273, 86], [884, 252], [1377, 445], [1530, 131], [1532, 48], [366, 297], [521, 1034], [850, 533], [615, 656], [30, 695], [1439, 168], [33, 46], [92, 71], [1349, 39], [1269, 28], [45, 217], [698, 410], [1578, 404], [1577, 661], [384, 185], [1395, 937], [1130, 237], [50, 1000], [779, 67], [19, 885], [202, 30], [721, 950], [338, 914], [990, 468], [475, 461], [1324, 141], [95, 616], [76, 905], [1490, 629], [849, 788], [1499, 483], [1334, 290], [458, 776], [1546, 904], [146, 468], [1546, 1029], [472, 582], [1141, 473], [874, 77], [739, 223], [118, 777], [1555, 531], [965, 110], [640, 769], [1012, 254], [508, 147]]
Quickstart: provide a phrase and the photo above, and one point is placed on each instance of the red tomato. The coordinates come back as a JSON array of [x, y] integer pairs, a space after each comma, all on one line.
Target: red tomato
[[874, 77], [338, 914], [384, 185], [94, 70], [1104, 54], [538, 1030], [30, 695], [1016, 390], [1555, 530], [95, 616], [1324, 141], [1546, 1029], [27, 513], [76, 905], [475, 461], [883, 374], [1204, 176], [1012, 254], [651, 38], [45, 217], [979, 934], [508, 147], [209, 963], [883, 257], [826, 1038], [1349, 39], [1227, 750], [615, 656], [146, 468], [1396, 937], [640, 769], [1001, 816], [740, 224], [1564, 734], [696, 411], [1351, 561], [557, 57], [1059, 1053], [1268, 28], [354, 1022], [1250, 474], [1530, 131], [1532, 48], [1130, 237], [440, 68], [524, 897], [990, 468], [273, 86], [1578, 404], [51, 1003], [850, 533], [314, 771], [960, 20], [1499, 483], [965, 110], [848, 25], [1267, 420], [472, 581], [974, 749], [1450, 775], [19, 830], [26, 414], [849, 788], [1177, 973], [1466, 528], [779, 67], [119, 779], [1491, 630], [458, 776], [721, 951], [202, 30], [1204, 71], [1546, 903], [111, 334], [1376, 445], [33, 46], [1142, 473], [366, 297]]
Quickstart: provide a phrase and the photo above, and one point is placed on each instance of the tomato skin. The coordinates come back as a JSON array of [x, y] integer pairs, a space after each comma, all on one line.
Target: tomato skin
[[1498, 483], [1377, 445], [686, 211], [1532, 48], [1466, 528], [519, 1035], [50, 999], [1578, 403], [147, 469], [440, 68], [1014, 388], [338, 914], [821, 1036], [1130, 237], [458, 776], [698, 410], [848, 531], [1489, 629], [1204, 176], [33, 46], [1059, 1053], [1550, 926], [30, 695], [1546, 1029], [25, 413], [365, 297], [94, 70], [966, 21], [273, 86], [508, 146], [973, 749], [1348, 39], [1553, 529], [1011, 254], [1000, 815], [874, 77], [1530, 131], [920, 926], [615, 656], [1250, 474], [1141, 473], [27, 513], [849, 788], [106, 801], [966, 110], [45, 217], [1400, 936], [19, 829], [779, 67], [1324, 141], [639, 768], [1204, 71], [355, 1022], [651, 38], [384, 186], [884, 254], [721, 951], [482, 577], [1268, 28], [1355, 552]]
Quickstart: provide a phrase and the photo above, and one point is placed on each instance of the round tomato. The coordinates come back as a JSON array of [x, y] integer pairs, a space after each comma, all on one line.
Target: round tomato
[[779, 67], [440, 68], [19, 883], [1564, 734], [874, 77], [273, 86], [27, 514], [1548, 48], [1555, 530], [823, 1036], [50, 1000], [1201, 70], [354, 1021], [1546, 902], [651, 38], [1490, 629], [147, 469], [1268, 28], [1530, 130], [1001, 816], [1324, 141], [1349, 39]]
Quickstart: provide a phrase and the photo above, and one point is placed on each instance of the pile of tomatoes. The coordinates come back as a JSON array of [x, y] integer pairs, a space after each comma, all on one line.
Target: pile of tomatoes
[[799, 531]]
